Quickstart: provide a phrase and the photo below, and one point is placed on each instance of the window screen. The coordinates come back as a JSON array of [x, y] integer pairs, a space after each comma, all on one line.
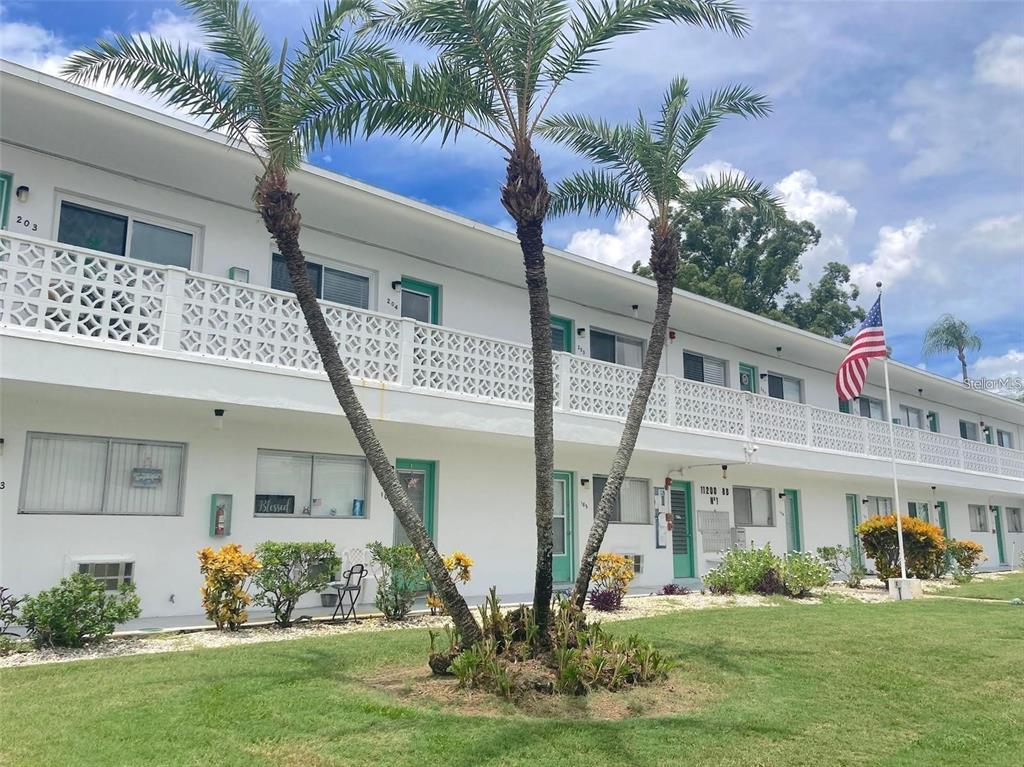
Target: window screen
[[346, 288], [161, 245], [752, 507], [979, 518], [312, 485], [1014, 523], [871, 408], [110, 574], [1004, 438], [969, 430], [602, 346], [91, 228], [416, 305], [633, 504]]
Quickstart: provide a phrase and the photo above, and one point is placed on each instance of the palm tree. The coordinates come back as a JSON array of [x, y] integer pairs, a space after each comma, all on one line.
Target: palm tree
[[948, 334], [498, 64], [641, 173], [275, 105]]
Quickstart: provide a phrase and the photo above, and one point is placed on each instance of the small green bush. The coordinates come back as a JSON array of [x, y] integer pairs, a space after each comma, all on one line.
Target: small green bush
[[76, 611], [400, 578], [291, 570], [803, 571], [842, 561], [744, 571], [8, 611]]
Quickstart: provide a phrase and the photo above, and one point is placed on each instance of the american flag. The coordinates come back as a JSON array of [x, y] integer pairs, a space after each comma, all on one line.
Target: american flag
[[869, 342]]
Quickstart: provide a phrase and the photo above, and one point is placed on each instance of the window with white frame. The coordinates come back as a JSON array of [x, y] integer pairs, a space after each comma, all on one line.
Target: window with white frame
[[752, 507], [291, 484], [613, 347], [871, 408], [124, 233], [73, 474], [342, 286], [912, 416], [1014, 520], [785, 387], [698, 367], [917, 509], [633, 504], [968, 430], [979, 517], [1004, 438], [637, 562], [112, 575], [877, 505]]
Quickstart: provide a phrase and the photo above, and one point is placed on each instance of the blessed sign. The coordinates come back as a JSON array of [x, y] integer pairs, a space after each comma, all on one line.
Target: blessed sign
[[275, 504], [147, 477]]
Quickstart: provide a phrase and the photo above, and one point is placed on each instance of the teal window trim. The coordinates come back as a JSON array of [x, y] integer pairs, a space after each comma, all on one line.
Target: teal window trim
[[429, 469], [795, 527], [567, 326], [844, 406], [6, 185], [751, 370], [933, 420], [427, 289]]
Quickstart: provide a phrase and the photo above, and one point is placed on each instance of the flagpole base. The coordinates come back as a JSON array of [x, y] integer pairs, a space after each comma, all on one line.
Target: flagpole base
[[901, 589]]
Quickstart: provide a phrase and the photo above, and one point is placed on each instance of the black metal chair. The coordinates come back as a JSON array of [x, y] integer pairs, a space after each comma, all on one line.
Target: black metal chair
[[348, 592]]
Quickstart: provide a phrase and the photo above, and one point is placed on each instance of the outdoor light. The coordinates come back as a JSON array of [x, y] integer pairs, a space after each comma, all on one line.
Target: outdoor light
[[1, 445], [21, 193], [781, 496], [581, 332], [778, 350], [920, 392], [584, 481], [762, 376], [725, 471], [396, 284], [218, 418], [636, 311]]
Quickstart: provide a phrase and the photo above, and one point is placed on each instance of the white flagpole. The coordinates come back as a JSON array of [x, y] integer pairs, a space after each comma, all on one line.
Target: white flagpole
[[892, 460]]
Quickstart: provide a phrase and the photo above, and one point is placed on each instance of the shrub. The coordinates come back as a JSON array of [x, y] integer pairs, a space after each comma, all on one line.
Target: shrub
[[225, 590], [612, 572], [76, 611], [803, 571], [966, 555], [8, 610], [605, 600], [842, 561], [923, 543], [743, 571], [400, 576], [673, 589], [460, 566], [290, 570]]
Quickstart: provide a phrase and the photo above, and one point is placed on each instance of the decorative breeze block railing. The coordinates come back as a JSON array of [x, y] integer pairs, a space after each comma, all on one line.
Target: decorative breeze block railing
[[82, 293], [52, 288]]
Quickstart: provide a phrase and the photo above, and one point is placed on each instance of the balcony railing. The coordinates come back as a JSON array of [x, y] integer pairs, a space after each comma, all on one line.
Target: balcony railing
[[53, 288]]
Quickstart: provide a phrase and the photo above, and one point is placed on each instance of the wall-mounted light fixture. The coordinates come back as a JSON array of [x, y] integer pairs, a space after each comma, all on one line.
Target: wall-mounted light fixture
[[584, 481], [218, 418], [762, 376], [396, 284], [581, 332], [865, 502], [778, 350], [1, 445], [636, 311], [781, 496], [725, 471], [920, 392], [21, 193]]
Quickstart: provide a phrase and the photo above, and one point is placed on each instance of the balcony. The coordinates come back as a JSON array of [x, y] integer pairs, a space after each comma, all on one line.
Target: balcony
[[54, 290]]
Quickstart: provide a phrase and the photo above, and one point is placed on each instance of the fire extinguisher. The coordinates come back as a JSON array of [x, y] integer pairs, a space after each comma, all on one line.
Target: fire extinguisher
[[218, 525]]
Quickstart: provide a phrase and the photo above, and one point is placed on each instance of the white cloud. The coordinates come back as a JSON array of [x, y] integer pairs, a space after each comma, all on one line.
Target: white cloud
[[630, 242], [1008, 367], [32, 46], [896, 256], [999, 61], [1000, 233], [830, 212]]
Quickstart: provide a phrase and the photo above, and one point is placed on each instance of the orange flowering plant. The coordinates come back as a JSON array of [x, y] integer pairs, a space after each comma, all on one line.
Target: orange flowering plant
[[225, 590], [459, 565], [923, 543]]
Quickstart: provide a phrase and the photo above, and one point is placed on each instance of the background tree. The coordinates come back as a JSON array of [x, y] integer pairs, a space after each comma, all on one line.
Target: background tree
[[640, 173], [498, 64], [949, 334], [740, 257], [275, 105]]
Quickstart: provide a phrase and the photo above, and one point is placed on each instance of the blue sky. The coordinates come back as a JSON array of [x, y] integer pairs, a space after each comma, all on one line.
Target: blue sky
[[898, 129]]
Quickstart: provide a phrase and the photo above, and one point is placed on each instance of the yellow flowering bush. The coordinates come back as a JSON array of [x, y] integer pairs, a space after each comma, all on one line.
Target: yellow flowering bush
[[225, 589], [923, 543], [612, 572], [459, 565]]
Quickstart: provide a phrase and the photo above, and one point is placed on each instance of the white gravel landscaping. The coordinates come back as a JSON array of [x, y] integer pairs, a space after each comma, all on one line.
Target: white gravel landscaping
[[176, 641]]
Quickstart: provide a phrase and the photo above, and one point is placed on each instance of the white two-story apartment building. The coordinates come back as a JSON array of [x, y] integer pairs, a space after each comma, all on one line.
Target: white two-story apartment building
[[160, 393]]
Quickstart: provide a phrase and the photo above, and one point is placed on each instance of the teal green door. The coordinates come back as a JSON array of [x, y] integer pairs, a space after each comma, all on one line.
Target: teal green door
[[998, 514], [853, 514], [419, 478], [683, 560], [562, 525], [794, 539], [943, 521]]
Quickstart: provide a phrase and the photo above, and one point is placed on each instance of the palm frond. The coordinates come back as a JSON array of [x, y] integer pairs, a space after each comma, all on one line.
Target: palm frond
[[707, 113], [734, 187], [611, 146], [596, 192], [175, 75]]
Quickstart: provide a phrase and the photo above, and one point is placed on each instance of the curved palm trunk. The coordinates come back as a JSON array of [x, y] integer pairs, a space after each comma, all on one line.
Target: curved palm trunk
[[525, 197], [276, 206], [664, 263], [963, 362]]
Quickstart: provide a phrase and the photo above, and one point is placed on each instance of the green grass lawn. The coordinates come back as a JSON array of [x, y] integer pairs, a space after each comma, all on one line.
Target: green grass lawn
[[1006, 587], [930, 682]]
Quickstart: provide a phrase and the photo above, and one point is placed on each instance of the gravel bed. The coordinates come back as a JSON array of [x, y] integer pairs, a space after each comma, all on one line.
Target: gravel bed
[[633, 607]]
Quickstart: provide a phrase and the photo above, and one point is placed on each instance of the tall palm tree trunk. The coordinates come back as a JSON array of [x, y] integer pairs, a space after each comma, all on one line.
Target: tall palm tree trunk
[[525, 197], [276, 206], [664, 264], [963, 362]]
